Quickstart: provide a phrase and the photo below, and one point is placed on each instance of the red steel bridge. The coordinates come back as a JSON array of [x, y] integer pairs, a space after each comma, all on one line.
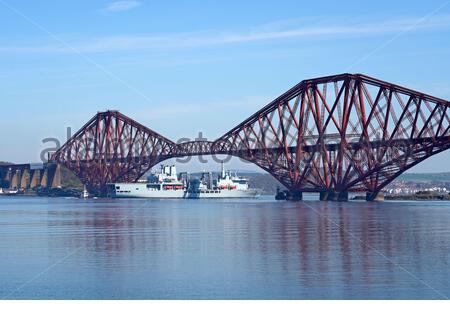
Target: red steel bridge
[[335, 134]]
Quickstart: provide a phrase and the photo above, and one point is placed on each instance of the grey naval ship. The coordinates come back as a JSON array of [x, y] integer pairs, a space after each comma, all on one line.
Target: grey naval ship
[[167, 184]]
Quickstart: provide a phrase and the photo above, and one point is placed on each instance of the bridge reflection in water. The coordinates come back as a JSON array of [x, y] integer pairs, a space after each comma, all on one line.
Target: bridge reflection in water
[[225, 249]]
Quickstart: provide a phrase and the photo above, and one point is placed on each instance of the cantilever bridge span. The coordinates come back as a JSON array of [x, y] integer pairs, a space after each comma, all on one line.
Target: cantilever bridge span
[[341, 133]]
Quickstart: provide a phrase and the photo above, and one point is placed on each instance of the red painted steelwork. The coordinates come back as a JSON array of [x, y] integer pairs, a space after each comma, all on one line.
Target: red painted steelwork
[[113, 148], [347, 132]]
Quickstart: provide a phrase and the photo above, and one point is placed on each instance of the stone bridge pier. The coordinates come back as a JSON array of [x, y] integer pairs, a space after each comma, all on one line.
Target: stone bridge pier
[[28, 177]]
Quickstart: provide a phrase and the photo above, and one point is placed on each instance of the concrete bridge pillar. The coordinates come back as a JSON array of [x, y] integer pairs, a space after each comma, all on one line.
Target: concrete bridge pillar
[[374, 196], [332, 195]]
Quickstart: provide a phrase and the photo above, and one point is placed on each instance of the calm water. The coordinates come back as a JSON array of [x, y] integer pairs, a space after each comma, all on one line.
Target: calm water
[[226, 249]]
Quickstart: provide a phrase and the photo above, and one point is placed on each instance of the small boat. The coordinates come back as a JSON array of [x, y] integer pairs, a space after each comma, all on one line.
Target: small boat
[[84, 194]]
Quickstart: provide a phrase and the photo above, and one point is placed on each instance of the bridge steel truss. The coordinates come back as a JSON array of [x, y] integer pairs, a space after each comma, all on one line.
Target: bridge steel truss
[[341, 133], [112, 148]]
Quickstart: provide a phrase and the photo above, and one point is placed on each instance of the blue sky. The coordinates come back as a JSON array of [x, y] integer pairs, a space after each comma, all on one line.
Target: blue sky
[[181, 67]]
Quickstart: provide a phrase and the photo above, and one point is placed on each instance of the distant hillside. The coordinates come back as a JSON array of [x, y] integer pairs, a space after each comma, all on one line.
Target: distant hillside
[[441, 177], [3, 163], [265, 182], [69, 179], [269, 184]]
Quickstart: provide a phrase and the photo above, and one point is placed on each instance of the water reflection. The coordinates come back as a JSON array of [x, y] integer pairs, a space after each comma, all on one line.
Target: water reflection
[[230, 249]]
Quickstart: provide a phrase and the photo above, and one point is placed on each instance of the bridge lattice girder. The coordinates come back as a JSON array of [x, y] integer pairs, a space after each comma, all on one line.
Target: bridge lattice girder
[[347, 132], [113, 148], [344, 132]]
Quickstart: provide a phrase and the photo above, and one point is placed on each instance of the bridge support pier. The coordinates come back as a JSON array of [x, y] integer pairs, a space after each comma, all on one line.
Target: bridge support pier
[[332, 195], [15, 180], [25, 178], [35, 178], [289, 195], [295, 196], [374, 196]]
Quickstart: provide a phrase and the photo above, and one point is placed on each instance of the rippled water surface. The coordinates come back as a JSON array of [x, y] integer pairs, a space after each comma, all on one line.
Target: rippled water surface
[[223, 249]]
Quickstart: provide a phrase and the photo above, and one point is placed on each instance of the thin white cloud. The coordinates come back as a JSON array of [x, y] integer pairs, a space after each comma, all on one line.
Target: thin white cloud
[[217, 38], [125, 5]]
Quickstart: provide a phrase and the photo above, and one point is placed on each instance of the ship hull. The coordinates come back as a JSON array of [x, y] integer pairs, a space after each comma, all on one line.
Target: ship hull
[[138, 190], [224, 194]]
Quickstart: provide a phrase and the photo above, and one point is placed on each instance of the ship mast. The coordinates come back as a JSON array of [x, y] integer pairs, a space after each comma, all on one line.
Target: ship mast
[[223, 171]]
